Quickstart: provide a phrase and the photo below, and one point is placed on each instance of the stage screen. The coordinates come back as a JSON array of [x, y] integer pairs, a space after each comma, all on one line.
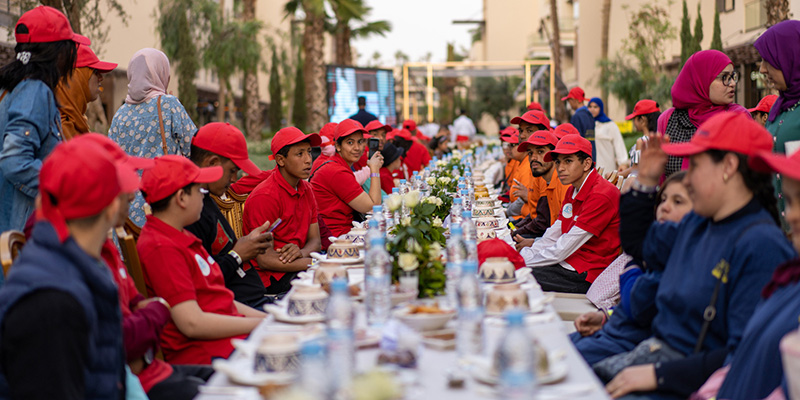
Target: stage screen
[[347, 84]]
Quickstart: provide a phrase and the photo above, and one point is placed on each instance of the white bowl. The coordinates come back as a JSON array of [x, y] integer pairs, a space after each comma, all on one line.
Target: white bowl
[[423, 321]]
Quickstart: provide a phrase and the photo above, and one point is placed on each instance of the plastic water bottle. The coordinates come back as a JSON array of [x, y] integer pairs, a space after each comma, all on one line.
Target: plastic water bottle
[[403, 186], [456, 255], [517, 358], [313, 371], [341, 338], [467, 203], [373, 231], [377, 215], [455, 212], [469, 340], [378, 270], [470, 233]]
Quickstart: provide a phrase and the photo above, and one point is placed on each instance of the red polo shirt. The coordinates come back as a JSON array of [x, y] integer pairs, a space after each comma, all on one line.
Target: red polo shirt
[[334, 186], [596, 210], [275, 198], [318, 162], [387, 180], [158, 370], [178, 268], [417, 157], [247, 183]]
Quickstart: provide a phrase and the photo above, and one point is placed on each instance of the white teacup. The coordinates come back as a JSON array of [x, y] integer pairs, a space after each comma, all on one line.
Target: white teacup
[[307, 300], [485, 233], [487, 222], [480, 211], [497, 270], [278, 353]]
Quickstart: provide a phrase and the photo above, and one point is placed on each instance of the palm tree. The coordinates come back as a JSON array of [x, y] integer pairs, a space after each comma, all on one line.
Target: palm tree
[[347, 12], [252, 116], [606, 13], [314, 62]]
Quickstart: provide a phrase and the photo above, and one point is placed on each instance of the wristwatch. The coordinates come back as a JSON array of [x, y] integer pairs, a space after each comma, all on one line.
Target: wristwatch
[[236, 257], [639, 187]]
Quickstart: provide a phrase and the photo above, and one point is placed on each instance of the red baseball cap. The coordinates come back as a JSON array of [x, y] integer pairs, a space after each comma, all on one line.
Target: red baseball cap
[[69, 163], [570, 144], [289, 136], [535, 106], [539, 138], [422, 136], [409, 124], [173, 172], [643, 107], [533, 117], [402, 133], [765, 104], [127, 165], [767, 161], [87, 58], [512, 138], [575, 93], [347, 128], [46, 24], [736, 132], [228, 141], [374, 125], [499, 248], [564, 130]]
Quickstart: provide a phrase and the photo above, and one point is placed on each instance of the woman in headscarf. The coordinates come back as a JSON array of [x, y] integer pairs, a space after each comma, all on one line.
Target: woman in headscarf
[[611, 152], [151, 123], [705, 87], [80, 89], [779, 47]]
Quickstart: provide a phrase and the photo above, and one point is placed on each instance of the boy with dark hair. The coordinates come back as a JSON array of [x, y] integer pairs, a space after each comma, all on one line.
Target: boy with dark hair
[[761, 111], [60, 324], [581, 119], [285, 195], [177, 267], [222, 144], [522, 180], [585, 238]]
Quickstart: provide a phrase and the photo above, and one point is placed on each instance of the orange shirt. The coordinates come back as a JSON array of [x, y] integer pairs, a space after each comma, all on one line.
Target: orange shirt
[[511, 165], [523, 174], [555, 192]]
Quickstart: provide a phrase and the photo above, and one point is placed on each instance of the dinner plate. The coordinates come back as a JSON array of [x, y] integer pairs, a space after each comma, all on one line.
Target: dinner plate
[[281, 315], [482, 370], [240, 371]]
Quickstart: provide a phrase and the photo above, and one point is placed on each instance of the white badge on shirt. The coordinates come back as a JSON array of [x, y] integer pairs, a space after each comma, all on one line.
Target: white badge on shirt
[[123, 273], [241, 272], [204, 267], [566, 211]]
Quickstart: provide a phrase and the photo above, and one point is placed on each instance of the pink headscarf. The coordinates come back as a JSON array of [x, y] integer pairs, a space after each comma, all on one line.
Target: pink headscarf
[[690, 90], [148, 75]]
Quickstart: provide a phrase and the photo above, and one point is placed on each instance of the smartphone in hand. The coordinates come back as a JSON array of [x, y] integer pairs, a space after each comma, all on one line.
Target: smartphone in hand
[[373, 144]]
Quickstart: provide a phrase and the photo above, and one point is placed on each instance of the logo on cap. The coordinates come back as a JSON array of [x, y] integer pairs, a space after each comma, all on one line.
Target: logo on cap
[[568, 142]]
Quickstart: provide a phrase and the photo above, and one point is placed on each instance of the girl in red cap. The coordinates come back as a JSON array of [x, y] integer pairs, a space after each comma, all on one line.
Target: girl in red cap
[[29, 120]]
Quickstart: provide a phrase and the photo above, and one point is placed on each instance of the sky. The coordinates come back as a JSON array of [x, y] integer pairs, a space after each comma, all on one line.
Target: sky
[[419, 27]]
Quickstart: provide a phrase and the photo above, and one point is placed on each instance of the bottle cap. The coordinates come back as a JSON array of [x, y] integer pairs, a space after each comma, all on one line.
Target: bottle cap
[[514, 317], [469, 267], [455, 229], [339, 285], [466, 214], [457, 200], [377, 209]]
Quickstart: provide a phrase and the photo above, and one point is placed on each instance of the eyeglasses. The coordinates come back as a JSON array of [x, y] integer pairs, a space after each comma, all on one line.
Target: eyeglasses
[[727, 78]]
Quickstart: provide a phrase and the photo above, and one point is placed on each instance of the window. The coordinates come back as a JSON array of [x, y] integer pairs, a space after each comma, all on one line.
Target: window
[[726, 5], [755, 14]]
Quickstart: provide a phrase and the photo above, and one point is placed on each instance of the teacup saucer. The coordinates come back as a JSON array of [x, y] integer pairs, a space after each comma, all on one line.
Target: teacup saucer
[[281, 315], [240, 370], [558, 368], [345, 261]]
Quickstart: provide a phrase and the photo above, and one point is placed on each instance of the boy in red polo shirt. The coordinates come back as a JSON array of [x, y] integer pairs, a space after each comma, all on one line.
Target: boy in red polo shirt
[[205, 315], [585, 238], [222, 144], [416, 155], [286, 195]]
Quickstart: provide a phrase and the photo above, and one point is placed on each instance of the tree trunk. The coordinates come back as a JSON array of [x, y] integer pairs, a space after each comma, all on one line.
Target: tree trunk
[[347, 51], [314, 71], [222, 97], [252, 106], [561, 112], [606, 15]]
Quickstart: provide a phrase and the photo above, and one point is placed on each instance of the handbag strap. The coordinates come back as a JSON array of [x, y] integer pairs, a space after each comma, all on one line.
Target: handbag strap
[[161, 126], [2, 96], [318, 168], [720, 271]]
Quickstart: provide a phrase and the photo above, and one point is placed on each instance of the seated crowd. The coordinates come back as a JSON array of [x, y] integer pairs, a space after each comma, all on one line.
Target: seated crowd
[[704, 281]]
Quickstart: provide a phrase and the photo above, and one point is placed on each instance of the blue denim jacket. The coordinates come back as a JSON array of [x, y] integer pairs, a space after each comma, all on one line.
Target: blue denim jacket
[[30, 128]]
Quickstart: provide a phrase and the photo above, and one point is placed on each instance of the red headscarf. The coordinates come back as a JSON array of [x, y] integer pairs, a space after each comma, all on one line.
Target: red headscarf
[[690, 90]]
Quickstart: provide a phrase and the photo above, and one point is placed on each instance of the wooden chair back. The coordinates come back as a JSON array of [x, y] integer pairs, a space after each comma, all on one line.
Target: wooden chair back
[[127, 245], [11, 243], [232, 206]]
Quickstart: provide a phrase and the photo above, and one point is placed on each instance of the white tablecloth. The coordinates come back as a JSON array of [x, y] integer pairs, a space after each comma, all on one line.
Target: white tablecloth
[[580, 382]]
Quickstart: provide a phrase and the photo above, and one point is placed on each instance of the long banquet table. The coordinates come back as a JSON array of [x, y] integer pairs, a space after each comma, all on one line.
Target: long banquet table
[[579, 383]]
